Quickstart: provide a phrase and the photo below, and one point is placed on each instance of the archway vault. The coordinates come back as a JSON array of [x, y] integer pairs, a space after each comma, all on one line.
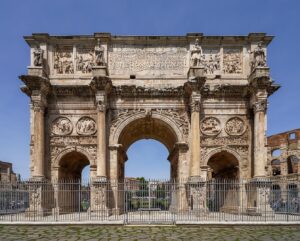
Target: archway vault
[[143, 126]]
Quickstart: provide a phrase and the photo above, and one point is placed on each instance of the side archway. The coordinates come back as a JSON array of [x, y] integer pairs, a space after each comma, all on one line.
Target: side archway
[[224, 163]]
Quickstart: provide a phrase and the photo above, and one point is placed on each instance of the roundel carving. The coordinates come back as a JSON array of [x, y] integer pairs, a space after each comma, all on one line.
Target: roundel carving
[[210, 126], [86, 126], [235, 126], [61, 126]]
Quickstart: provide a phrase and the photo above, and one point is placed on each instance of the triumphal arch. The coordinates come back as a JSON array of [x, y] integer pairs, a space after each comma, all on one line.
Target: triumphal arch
[[204, 97]]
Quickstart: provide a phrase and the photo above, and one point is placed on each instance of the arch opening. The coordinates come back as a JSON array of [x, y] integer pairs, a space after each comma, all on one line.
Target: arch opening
[[292, 164], [149, 129], [224, 165], [72, 194], [224, 169], [71, 165]]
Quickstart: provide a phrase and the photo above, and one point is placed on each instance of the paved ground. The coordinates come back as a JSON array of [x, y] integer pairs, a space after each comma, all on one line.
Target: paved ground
[[160, 233]]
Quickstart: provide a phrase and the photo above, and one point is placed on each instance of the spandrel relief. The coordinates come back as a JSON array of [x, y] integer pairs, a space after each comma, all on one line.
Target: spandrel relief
[[232, 61], [63, 61]]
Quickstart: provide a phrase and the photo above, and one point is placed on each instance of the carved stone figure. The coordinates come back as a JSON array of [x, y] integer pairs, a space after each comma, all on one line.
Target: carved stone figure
[[259, 57], [232, 61], [99, 54], [235, 126], [63, 62], [86, 126], [61, 126], [85, 60], [196, 55], [38, 55], [210, 126], [211, 63]]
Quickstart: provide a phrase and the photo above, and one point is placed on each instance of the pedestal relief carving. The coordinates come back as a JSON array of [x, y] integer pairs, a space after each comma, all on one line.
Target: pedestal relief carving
[[232, 61], [63, 61], [235, 126], [210, 126], [86, 126], [61, 126]]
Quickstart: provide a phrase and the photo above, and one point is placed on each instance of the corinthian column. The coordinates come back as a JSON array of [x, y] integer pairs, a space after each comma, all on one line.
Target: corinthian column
[[260, 151], [101, 135], [39, 140], [195, 133]]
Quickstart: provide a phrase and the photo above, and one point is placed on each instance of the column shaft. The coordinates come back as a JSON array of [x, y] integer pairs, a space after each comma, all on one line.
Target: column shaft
[[259, 141], [195, 146], [39, 142], [101, 142]]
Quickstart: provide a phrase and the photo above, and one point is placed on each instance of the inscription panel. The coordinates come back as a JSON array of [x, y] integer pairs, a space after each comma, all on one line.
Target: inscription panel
[[148, 60]]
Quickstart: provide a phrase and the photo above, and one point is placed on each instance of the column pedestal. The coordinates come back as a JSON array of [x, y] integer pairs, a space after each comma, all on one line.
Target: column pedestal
[[262, 197], [197, 195], [99, 194]]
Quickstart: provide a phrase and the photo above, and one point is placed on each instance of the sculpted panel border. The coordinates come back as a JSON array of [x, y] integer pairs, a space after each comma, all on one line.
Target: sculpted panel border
[[127, 116], [60, 153]]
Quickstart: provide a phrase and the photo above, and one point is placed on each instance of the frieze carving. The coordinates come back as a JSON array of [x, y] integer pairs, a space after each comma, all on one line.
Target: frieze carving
[[63, 61], [235, 126], [72, 140], [210, 126], [224, 141], [86, 126], [61, 126], [232, 61], [147, 60], [85, 60], [133, 90]]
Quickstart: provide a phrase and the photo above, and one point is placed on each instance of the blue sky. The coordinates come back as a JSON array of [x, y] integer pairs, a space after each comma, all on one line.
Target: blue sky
[[143, 17]]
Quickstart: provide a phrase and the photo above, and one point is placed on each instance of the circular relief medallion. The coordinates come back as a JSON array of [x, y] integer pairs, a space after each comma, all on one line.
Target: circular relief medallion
[[210, 126], [86, 126], [61, 126], [235, 126]]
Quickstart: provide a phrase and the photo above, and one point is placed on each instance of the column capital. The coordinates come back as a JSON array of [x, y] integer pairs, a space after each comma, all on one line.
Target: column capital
[[260, 106], [195, 102]]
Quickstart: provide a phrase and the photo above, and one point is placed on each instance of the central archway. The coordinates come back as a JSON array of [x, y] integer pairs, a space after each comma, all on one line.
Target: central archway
[[146, 126], [138, 127]]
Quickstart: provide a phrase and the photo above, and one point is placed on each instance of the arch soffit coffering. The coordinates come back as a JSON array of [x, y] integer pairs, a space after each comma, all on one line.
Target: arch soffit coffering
[[220, 149], [114, 137], [69, 150]]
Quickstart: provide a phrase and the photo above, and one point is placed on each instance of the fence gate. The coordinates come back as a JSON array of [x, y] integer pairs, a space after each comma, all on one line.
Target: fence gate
[[149, 202]]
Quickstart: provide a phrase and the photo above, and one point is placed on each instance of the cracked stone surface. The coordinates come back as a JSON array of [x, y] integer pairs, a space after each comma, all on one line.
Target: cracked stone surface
[[92, 232]]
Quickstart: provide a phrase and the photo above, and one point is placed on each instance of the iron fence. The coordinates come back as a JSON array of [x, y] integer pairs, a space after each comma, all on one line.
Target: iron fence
[[152, 201]]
